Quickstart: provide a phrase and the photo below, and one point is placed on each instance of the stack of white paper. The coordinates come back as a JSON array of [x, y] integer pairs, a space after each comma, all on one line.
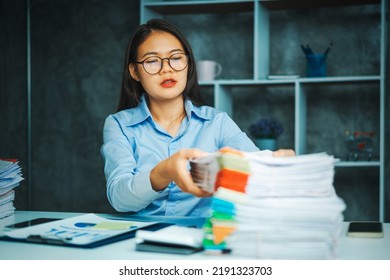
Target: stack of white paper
[[10, 178], [292, 210]]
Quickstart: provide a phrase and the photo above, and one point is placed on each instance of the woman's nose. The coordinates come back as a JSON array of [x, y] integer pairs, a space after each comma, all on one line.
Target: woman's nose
[[165, 66]]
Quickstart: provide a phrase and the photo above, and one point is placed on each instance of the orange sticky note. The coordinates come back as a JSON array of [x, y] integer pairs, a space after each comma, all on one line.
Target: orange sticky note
[[220, 233]]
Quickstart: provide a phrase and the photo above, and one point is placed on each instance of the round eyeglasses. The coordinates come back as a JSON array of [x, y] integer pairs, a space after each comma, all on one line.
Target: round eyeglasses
[[154, 64]]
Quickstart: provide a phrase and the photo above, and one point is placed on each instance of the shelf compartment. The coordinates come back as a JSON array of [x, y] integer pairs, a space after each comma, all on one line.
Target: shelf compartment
[[358, 187], [356, 53], [220, 44], [353, 107], [246, 103]]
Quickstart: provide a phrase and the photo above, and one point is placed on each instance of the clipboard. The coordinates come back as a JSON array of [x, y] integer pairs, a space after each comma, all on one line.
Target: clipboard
[[84, 231]]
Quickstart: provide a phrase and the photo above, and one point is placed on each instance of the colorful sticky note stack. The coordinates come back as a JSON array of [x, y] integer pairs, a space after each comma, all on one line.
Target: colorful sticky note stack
[[222, 222], [230, 174]]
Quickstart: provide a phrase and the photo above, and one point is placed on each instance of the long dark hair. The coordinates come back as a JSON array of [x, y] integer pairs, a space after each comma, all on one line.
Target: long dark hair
[[132, 90]]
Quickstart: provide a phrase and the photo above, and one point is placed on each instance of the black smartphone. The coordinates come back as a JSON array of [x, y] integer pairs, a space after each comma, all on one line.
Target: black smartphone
[[372, 229], [31, 223]]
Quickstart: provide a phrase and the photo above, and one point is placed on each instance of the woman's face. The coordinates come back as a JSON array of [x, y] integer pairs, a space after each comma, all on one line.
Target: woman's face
[[168, 83]]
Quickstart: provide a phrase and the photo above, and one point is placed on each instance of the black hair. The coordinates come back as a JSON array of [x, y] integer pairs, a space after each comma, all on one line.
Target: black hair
[[132, 90]]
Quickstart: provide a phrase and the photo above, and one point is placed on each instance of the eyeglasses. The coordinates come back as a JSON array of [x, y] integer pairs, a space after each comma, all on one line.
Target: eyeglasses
[[154, 64]]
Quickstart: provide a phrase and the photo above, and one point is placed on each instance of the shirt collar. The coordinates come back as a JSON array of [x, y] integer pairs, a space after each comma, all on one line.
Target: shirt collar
[[192, 110], [141, 112]]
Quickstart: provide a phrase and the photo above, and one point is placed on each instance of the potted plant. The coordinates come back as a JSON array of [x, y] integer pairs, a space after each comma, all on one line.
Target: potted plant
[[265, 133]]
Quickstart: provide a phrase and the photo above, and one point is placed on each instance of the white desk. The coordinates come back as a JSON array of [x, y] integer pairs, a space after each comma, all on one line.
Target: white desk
[[349, 248]]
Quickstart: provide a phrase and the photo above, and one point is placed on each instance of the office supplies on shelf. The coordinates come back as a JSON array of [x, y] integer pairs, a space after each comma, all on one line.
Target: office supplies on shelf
[[316, 65], [84, 231], [316, 62], [359, 145], [307, 50], [328, 49]]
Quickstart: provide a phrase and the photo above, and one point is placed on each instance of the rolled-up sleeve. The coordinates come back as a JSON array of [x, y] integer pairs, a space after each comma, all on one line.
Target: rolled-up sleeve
[[127, 189]]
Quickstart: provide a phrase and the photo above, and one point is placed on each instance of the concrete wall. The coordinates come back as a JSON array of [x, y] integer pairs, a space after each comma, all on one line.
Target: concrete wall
[[77, 50], [13, 87]]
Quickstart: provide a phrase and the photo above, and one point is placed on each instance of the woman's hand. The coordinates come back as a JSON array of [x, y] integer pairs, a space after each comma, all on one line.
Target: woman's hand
[[284, 153], [175, 169]]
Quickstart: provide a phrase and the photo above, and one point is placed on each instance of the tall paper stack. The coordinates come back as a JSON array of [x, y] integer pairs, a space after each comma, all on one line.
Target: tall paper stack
[[10, 178], [287, 210]]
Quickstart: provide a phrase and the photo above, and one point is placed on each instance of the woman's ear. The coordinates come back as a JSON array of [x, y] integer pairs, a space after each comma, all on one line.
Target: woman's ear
[[133, 71]]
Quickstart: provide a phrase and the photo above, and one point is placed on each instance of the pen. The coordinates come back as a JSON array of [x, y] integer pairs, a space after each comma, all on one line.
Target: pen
[[303, 49], [307, 50], [47, 240], [328, 49]]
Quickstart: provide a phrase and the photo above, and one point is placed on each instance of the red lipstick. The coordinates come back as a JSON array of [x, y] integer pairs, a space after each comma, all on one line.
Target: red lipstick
[[167, 83]]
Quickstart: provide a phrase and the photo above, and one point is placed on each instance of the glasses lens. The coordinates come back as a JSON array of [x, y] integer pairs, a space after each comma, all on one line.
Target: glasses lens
[[178, 61], [152, 65]]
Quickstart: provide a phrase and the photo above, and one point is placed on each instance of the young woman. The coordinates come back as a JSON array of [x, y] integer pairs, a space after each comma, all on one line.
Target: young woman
[[160, 124]]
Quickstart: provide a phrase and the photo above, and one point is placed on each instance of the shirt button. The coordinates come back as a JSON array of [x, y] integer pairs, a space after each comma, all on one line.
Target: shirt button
[[172, 148]]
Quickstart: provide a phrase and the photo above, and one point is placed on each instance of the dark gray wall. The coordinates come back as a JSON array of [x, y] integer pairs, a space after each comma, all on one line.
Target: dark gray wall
[[77, 52], [13, 86], [77, 57]]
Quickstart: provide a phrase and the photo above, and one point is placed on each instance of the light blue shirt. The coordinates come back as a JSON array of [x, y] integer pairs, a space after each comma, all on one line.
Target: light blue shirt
[[134, 144]]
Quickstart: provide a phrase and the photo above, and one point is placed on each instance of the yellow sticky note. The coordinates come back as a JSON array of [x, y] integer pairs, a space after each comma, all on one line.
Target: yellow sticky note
[[113, 225]]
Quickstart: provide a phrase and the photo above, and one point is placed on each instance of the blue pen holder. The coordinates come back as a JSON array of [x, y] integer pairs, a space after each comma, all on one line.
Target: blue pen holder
[[316, 65]]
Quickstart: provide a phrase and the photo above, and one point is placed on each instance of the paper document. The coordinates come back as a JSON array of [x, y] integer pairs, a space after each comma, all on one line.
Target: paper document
[[10, 175], [271, 207], [10, 178], [80, 230], [173, 235]]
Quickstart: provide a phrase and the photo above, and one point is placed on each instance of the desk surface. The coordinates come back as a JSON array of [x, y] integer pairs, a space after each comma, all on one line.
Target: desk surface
[[349, 248]]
